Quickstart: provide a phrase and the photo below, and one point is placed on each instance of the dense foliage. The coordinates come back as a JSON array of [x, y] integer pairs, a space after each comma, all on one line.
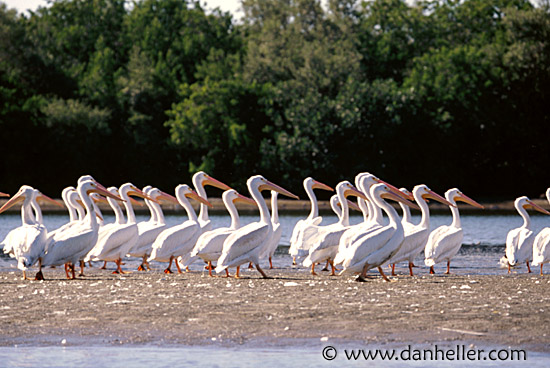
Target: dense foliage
[[448, 93]]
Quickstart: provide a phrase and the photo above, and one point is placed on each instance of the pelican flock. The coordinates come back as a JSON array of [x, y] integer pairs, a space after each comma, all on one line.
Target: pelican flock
[[383, 237]]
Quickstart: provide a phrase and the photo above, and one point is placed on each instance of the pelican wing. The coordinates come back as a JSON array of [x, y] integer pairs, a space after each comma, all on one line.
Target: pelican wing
[[541, 249], [243, 244], [71, 248], [173, 241], [367, 245], [146, 238], [209, 246], [115, 244], [443, 243]]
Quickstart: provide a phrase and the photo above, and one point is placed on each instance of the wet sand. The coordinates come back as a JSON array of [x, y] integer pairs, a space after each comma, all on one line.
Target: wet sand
[[290, 309]]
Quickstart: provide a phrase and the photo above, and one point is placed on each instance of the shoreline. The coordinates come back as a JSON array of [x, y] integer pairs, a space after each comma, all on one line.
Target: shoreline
[[192, 309]]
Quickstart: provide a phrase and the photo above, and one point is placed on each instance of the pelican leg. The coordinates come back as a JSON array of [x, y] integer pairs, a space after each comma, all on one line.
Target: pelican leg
[[541, 270], [313, 269], [39, 276], [393, 269], [528, 267], [82, 265], [227, 273], [411, 265], [250, 265], [187, 269], [210, 269], [67, 269], [363, 275], [72, 271], [25, 275], [383, 275], [448, 272], [142, 265], [179, 269], [104, 267], [294, 261], [237, 275], [118, 269], [90, 264], [326, 266], [168, 270], [509, 268], [262, 272], [333, 272], [432, 272], [270, 263]]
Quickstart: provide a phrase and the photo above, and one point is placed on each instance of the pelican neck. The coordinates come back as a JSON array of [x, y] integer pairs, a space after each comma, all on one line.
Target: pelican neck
[[313, 199], [274, 209]]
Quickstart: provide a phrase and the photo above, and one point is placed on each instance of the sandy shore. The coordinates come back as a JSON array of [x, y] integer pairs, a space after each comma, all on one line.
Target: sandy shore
[[192, 308]]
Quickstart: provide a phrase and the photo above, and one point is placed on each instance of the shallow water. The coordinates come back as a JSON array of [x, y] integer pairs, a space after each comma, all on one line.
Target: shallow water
[[483, 244], [216, 356]]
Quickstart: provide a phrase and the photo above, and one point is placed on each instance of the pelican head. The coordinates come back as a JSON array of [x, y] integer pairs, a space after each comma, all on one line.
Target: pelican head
[[426, 193], [183, 190], [453, 195], [260, 183], [314, 184], [201, 179], [24, 192], [526, 203]]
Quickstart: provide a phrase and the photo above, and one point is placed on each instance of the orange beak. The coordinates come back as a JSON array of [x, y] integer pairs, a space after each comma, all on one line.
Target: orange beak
[[138, 193], [536, 207], [243, 199], [464, 198], [270, 186], [14, 200], [396, 191], [4, 194], [354, 192], [167, 197], [44, 197], [351, 205], [433, 195], [319, 185], [198, 198], [105, 193], [394, 197], [215, 183]]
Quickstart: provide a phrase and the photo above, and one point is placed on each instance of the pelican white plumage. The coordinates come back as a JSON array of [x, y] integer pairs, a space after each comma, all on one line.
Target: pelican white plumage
[[27, 242], [74, 244], [148, 231], [445, 241], [119, 239], [541, 245], [406, 219], [245, 244], [299, 247], [326, 239], [179, 240], [416, 236], [210, 244], [377, 247], [520, 241], [273, 243], [375, 220]]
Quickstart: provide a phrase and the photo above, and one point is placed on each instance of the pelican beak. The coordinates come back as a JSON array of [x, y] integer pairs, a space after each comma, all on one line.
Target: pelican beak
[[99, 199], [198, 198], [105, 193], [464, 198], [352, 205], [538, 208], [243, 199], [270, 186], [215, 183], [354, 192], [135, 203], [44, 197], [398, 198], [319, 185], [167, 197], [4, 194], [396, 191], [138, 193], [433, 195], [15, 199]]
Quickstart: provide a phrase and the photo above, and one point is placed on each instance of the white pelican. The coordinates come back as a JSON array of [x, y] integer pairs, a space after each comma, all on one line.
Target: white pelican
[[119, 239], [297, 246], [416, 236], [273, 243], [520, 241], [364, 182], [200, 180], [445, 241], [245, 244], [541, 247], [210, 244], [75, 243], [27, 242], [378, 246], [148, 231], [326, 238], [179, 240]]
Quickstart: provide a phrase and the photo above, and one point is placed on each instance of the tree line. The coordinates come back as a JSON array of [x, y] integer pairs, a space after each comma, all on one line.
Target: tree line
[[447, 93]]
